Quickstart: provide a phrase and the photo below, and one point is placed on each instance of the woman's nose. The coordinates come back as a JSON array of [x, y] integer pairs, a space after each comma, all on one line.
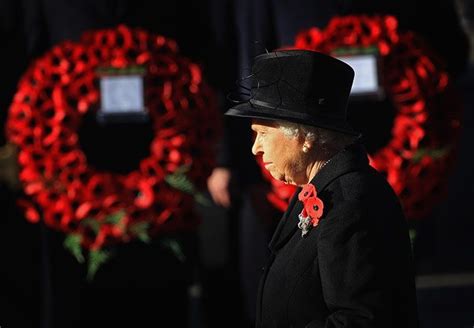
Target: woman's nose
[[255, 147]]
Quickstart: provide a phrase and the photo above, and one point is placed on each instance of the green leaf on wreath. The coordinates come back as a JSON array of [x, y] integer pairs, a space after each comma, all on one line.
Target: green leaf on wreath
[[433, 153], [201, 199], [180, 181], [439, 153], [175, 248], [72, 243], [418, 155], [183, 169], [92, 223], [96, 259], [115, 218], [140, 230], [144, 237]]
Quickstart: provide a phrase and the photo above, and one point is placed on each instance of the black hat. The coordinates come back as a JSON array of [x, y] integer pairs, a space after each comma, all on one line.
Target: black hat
[[299, 86]]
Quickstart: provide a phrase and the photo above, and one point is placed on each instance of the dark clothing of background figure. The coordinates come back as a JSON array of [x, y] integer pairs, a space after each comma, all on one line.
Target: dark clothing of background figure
[[354, 268]]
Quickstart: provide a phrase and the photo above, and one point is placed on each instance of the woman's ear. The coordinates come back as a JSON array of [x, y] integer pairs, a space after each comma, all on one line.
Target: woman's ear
[[307, 146]]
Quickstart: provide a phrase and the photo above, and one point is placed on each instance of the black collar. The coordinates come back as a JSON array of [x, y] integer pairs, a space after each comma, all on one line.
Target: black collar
[[352, 158]]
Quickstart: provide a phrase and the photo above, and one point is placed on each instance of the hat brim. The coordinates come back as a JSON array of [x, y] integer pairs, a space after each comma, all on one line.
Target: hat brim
[[250, 110]]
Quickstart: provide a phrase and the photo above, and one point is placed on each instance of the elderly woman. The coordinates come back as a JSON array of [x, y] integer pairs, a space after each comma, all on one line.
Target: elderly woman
[[340, 256]]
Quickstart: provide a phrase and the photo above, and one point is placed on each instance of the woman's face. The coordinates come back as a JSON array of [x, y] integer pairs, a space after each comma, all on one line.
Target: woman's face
[[282, 155]]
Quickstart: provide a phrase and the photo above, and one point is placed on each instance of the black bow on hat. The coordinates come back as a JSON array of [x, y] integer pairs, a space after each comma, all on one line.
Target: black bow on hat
[[299, 86]]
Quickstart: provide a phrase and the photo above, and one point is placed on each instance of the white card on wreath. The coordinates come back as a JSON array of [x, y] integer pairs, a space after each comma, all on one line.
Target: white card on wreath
[[121, 94], [366, 79]]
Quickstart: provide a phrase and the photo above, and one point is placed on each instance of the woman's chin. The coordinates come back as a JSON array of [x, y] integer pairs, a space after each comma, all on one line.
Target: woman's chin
[[276, 176], [279, 177]]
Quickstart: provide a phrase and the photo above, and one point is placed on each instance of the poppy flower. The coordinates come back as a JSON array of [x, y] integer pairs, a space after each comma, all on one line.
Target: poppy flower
[[31, 213], [314, 208], [308, 191], [145, 194]]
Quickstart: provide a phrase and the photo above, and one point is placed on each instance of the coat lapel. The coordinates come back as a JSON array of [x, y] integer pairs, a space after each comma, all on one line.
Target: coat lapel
[[352, 158], [286, 228]]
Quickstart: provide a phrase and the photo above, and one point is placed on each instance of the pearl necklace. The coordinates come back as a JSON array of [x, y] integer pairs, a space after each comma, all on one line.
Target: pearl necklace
[[324, 164]]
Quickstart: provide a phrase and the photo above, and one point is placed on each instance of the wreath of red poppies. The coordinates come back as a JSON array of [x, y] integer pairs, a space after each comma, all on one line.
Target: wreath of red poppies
[[100, 208], [417, 159]]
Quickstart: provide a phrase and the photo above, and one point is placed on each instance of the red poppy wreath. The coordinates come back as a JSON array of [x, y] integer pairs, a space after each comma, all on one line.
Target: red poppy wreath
[[417, 158], [96, 208]]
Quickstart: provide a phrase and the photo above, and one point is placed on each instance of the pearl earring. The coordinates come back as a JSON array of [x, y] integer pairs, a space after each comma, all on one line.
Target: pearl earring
[[305, 149]]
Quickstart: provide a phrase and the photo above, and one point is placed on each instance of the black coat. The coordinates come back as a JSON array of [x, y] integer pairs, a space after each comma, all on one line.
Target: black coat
[[354, 269]]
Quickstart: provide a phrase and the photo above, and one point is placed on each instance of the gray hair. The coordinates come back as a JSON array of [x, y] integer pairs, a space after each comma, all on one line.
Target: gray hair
[[328, 141]]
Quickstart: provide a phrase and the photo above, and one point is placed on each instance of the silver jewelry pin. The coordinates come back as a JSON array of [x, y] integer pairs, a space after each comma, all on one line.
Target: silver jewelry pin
[[304, 224]]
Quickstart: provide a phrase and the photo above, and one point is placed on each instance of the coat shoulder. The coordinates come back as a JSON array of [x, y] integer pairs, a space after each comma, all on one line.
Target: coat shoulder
[[363, 196]]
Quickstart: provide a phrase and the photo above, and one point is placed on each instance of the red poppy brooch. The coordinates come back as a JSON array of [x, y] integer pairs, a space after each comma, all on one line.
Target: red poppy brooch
[[312, 209]]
